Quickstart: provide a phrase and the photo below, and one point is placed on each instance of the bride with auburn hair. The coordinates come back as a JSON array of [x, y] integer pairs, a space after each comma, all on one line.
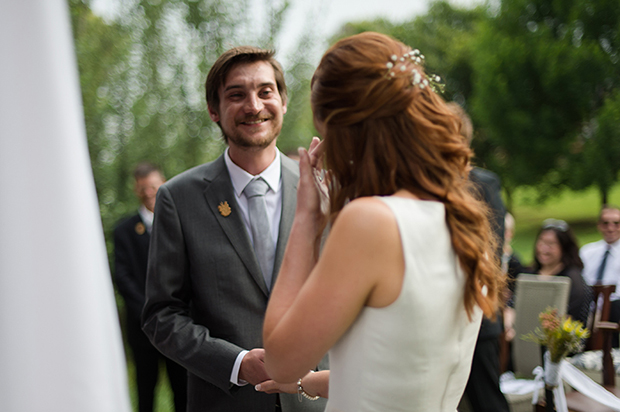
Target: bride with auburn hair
[[406, 273]]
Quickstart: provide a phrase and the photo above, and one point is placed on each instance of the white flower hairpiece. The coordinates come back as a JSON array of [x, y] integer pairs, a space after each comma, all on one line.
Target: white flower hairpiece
[[398, 64]]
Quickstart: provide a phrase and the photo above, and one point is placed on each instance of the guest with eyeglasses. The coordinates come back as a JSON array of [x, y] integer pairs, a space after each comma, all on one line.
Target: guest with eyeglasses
[[601, 259], [556, 253]]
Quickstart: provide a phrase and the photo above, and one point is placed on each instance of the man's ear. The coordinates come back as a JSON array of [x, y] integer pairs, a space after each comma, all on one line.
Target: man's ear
[[213, 114], [283, 109]]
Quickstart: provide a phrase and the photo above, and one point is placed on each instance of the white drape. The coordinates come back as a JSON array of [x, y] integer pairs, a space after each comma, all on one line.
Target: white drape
[[60, 343]]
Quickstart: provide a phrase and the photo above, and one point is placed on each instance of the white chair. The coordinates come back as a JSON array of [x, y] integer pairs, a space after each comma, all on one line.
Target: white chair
[[533, 294]]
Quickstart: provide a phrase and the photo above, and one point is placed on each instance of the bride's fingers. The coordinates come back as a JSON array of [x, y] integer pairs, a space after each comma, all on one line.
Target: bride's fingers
[[313, 143], [316, 153], [305, 166]]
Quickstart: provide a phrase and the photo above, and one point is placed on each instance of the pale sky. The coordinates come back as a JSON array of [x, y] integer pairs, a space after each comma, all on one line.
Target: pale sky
[[338, 12], [332, 14]]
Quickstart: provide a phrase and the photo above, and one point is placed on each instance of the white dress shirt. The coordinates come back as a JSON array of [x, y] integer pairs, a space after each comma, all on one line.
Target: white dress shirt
[[147, 217], [592, 256], [273, 199]]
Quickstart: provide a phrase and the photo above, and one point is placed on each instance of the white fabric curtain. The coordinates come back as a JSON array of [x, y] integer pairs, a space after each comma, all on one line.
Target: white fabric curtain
[[60, 342]]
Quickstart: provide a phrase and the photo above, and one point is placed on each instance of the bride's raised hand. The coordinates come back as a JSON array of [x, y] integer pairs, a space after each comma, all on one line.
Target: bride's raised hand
[[316, 151], [311, 196]]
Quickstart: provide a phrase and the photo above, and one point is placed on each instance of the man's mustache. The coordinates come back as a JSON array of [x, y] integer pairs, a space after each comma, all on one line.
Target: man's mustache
[[256, 118]]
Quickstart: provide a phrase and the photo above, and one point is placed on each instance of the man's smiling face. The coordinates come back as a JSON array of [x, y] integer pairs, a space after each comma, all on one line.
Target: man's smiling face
[[251, 108]]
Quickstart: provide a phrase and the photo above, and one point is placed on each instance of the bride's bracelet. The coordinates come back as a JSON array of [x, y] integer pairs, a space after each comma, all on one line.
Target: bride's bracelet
[[301, 392]]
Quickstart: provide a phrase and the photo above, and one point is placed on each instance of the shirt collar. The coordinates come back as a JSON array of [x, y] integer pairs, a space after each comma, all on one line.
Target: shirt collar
[[146, 215], [240, 178], [613, 247]]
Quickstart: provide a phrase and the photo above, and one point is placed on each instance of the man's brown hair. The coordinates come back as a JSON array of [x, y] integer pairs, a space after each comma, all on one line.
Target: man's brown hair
[[144, 169], [233, 57]]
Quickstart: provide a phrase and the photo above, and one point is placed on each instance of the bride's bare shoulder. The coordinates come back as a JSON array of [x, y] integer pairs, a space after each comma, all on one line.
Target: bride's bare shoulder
[[366, 213]]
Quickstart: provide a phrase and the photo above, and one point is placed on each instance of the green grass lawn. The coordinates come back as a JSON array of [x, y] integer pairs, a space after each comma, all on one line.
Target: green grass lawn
[[579, 209], [163, 392]]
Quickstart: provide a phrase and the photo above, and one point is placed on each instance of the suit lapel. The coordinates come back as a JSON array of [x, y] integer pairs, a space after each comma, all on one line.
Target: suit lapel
[[290, 178], [219, 189]]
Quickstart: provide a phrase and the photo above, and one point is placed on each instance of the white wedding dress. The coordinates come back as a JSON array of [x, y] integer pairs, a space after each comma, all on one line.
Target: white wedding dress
[[415, 354]]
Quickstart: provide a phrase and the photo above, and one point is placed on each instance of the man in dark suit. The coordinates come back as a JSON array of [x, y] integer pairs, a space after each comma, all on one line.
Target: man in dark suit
[[483, 385], [131, 247], [218, 243], [482, 390]]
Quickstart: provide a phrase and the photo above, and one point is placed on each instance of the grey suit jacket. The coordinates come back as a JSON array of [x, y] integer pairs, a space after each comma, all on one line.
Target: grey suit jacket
[[205, 295]]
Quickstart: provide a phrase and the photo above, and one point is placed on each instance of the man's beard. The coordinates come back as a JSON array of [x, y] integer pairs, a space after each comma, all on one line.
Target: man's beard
[[241, 140]]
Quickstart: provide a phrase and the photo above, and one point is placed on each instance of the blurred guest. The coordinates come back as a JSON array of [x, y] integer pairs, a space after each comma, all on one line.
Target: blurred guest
[[601, 260], [511, 264], [482, 388], [512, 267], [131, 247], [556, 254]]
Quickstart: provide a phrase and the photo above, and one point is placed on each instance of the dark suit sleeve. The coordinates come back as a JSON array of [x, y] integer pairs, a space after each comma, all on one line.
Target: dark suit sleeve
[[580, 296], [166, 317], [489, 189], [127, 282]]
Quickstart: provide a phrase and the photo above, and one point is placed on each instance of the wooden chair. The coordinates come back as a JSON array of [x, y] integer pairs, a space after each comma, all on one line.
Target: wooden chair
[[601, 336], [601, 339], [602, 307]]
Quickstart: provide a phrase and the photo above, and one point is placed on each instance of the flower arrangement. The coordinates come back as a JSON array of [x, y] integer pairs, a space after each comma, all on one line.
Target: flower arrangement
[[561, 335]]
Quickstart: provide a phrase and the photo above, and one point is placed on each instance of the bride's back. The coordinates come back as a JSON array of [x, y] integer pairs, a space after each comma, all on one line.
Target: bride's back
[[415, 354]]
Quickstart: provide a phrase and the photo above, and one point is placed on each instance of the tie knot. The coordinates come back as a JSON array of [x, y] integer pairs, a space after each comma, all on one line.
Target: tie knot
[[256, 187]]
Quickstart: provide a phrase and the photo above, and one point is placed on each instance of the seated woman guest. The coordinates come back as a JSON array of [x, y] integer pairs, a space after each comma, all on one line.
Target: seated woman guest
[[556, 254], [399, 290]]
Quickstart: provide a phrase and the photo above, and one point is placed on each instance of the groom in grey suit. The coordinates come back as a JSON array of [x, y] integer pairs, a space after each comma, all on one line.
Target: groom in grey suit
[[212, 261]]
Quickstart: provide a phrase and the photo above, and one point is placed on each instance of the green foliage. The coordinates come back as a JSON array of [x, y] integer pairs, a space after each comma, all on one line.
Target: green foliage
[[542, 70], [537, 76], [443, 35], [142, 76], [601, 149], [298, 127]]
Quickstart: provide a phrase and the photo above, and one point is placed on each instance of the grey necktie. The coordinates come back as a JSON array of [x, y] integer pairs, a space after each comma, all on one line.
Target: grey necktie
[[601, 269], [259, 224]]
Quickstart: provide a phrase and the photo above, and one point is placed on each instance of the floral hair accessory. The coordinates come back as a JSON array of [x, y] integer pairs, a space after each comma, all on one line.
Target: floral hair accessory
[[398, 65]]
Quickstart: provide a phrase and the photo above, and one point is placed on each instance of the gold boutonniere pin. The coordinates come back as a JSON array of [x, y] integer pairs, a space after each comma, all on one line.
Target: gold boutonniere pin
[[140, 228], [224, 209]]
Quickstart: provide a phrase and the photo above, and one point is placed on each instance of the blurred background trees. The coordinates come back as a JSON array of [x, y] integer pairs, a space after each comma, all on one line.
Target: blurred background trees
[[540, 79], [142, 77], [543, 72]]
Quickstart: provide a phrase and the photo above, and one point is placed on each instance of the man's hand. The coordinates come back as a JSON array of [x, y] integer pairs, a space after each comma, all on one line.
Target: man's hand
[[252, 369]]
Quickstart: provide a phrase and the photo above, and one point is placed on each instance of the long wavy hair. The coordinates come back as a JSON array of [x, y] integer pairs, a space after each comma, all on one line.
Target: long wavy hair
[[384, 133]]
